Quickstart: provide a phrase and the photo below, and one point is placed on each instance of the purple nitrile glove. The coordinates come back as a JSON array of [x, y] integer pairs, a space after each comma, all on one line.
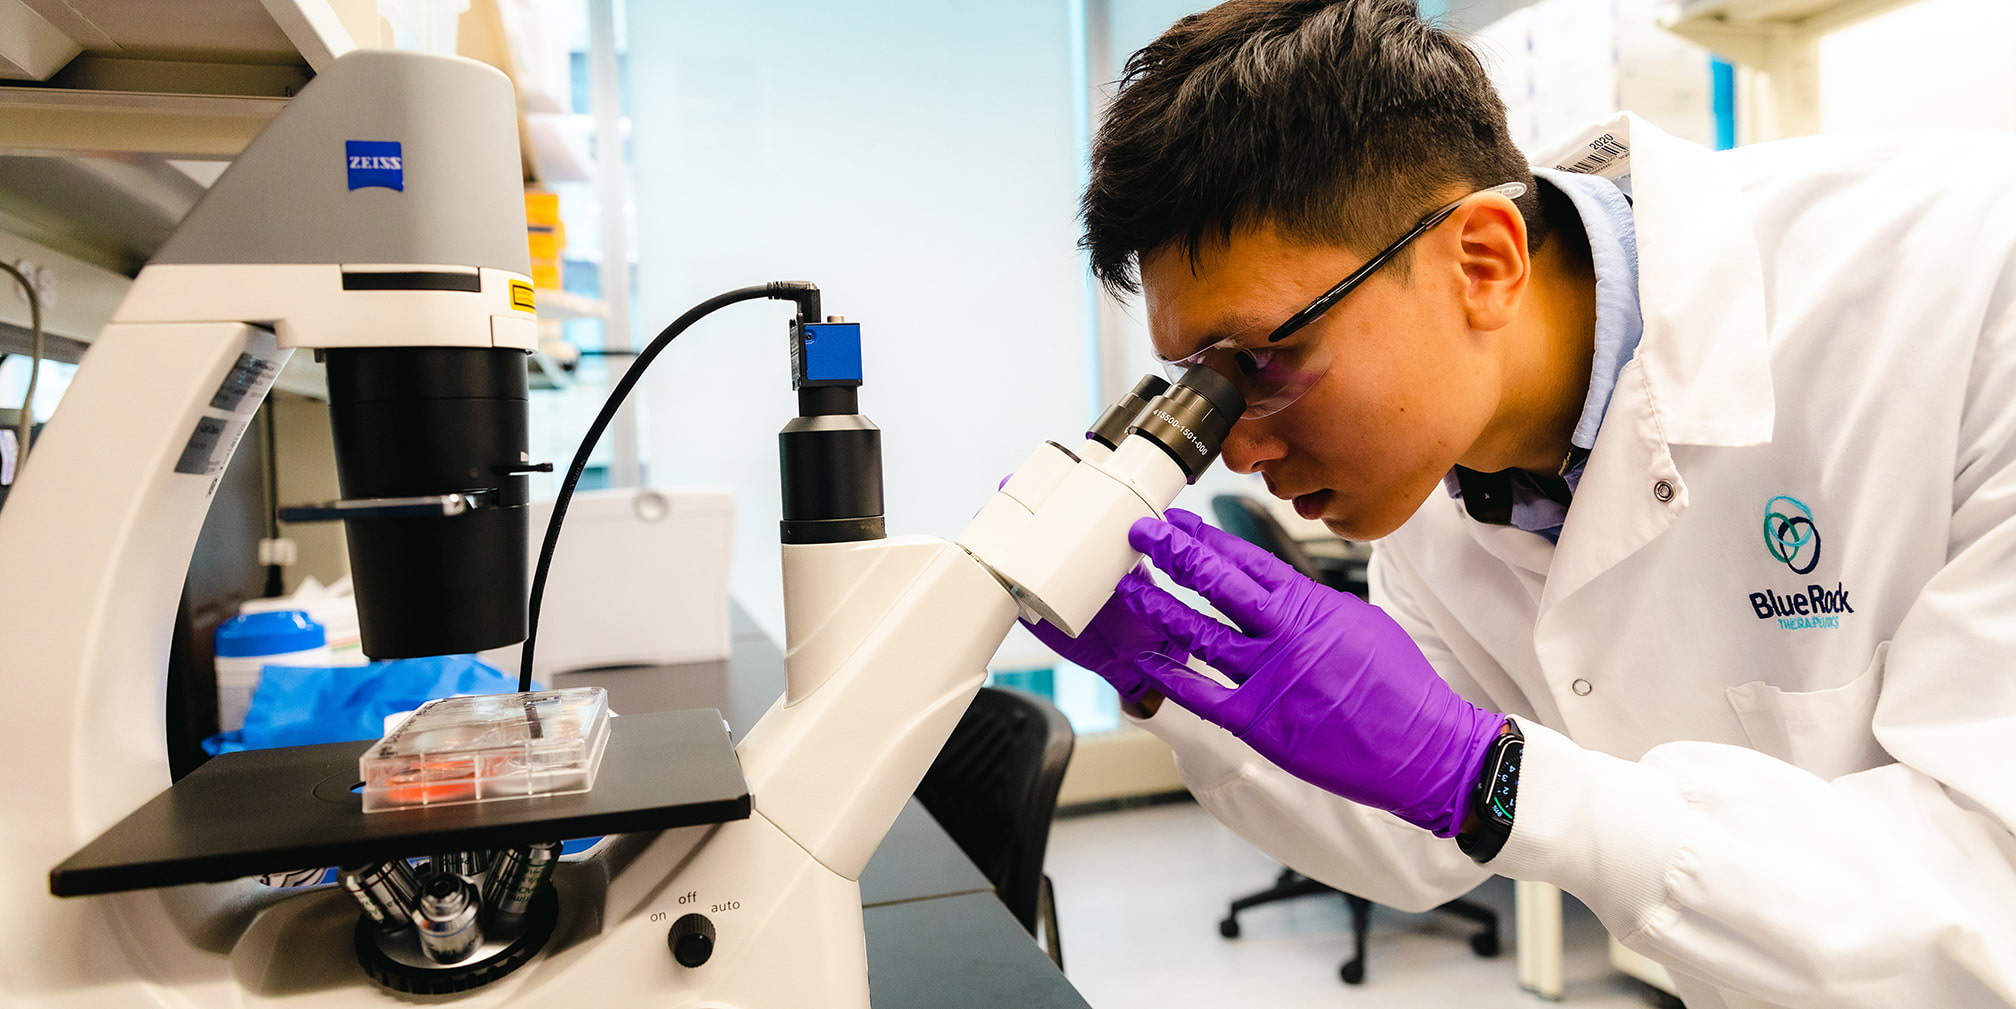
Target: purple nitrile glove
[[1112, 644], [1329, 688]]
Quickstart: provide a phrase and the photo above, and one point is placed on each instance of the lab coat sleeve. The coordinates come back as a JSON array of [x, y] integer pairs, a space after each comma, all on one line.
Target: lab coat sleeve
[[1891, 886], [1357, 849]]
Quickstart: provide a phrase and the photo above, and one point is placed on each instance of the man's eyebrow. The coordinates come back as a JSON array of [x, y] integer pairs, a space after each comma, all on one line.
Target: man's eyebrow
[[1225, 329]]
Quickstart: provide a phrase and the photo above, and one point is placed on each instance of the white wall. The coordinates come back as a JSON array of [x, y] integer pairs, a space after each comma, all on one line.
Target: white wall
[[1561, 65], [915, 158], [1934, 63]]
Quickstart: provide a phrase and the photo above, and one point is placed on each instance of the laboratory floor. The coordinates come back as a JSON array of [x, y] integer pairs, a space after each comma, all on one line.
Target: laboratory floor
[[1140, 892]]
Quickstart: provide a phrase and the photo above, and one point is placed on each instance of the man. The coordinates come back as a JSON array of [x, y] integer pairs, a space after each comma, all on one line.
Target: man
[[1694, 477]]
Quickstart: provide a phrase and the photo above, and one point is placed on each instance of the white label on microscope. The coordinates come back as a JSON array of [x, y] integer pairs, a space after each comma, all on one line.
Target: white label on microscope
[[248, 379]]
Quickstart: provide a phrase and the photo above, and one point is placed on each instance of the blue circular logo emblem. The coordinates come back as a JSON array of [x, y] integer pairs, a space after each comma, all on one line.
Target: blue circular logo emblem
[[1790, 535]]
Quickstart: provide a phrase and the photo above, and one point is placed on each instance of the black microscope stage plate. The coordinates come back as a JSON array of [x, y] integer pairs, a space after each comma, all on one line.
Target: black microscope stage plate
[[260, 811]]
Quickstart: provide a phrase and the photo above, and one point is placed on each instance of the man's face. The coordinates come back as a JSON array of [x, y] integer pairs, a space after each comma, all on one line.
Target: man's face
[[1409, 389]]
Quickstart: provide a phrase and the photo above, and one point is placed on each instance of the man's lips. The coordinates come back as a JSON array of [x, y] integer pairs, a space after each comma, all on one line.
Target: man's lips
[[1311, 505]]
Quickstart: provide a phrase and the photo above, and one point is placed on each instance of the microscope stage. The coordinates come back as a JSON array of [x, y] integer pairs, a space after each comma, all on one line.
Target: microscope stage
[[260, 811]]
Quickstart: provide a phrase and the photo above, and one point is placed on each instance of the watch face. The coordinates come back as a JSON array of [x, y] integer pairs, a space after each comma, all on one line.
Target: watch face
[[1493, 800], [1505, 781]]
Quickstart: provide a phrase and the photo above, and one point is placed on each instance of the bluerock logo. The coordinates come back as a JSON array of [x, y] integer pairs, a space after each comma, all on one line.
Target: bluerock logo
[[375, 163], [1790, 535], [1817, 603], [1792, 539]]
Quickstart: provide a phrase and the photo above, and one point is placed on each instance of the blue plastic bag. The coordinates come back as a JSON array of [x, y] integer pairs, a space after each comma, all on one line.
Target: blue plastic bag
[[302, 705]]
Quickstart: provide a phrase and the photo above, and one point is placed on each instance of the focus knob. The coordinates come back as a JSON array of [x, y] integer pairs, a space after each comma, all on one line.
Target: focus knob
[[692, 940]]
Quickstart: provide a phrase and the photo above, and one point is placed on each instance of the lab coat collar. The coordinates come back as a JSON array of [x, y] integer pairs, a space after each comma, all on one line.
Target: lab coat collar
[[1705, 354]]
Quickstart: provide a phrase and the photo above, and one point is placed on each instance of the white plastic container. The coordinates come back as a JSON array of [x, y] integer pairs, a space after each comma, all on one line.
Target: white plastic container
[[248, 643], [334, 606], [640, 579]]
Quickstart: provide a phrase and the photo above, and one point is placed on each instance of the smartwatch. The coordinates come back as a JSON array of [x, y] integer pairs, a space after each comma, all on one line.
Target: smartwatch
[[1496, 792]]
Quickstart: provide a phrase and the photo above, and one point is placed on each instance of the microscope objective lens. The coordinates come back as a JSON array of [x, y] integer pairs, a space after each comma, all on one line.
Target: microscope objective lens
[[387, 892], [447, 918], [516, 876], [466, 864]]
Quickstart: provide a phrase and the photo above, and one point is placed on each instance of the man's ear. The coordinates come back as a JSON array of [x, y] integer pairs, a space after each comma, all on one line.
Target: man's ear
[[1491, 253]]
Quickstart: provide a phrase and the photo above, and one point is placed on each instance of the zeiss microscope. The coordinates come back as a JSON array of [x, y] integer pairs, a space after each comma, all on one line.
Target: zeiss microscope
[[378, 223]]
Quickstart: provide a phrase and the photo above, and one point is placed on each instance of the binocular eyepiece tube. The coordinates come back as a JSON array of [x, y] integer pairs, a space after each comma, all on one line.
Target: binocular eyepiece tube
[[1056, 533]]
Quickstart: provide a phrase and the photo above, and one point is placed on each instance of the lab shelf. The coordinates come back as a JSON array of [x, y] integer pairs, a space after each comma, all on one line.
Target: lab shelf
[[1764, 33]]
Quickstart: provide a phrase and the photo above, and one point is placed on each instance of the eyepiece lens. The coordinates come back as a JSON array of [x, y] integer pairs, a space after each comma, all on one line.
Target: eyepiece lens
[[1224, 396], [1190, 420]]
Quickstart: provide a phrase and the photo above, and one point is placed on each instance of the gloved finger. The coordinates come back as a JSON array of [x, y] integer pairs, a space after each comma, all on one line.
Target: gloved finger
[[1269, 571], [1199, 568], [1135, 580], [1226, 649], [1196, 692]]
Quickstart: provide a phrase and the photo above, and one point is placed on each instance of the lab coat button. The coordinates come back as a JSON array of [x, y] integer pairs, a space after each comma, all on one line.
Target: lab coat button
[[1581, 687], [1663, 491]]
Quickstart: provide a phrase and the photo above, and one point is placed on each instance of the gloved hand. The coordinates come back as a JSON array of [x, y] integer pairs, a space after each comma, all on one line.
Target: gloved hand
[[1113, 643], [1329, 688]]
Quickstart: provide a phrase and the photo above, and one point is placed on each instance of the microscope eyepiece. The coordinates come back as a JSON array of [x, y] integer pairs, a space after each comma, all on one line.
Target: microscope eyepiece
[[1224, 396], [1191, 419], [1113, 425]]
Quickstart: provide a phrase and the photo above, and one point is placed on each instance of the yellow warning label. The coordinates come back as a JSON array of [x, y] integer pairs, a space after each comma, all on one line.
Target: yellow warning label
[[521, 296]]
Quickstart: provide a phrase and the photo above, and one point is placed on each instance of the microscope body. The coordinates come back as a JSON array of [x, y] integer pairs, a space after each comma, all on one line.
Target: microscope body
[[416, 248], [888, 642]]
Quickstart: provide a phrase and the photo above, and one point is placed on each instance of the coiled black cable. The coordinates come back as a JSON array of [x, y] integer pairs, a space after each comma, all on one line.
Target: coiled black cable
[[807, 297]]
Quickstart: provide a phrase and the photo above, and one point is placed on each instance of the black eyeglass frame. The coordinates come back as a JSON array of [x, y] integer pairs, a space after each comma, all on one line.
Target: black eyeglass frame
[[1315, 309]]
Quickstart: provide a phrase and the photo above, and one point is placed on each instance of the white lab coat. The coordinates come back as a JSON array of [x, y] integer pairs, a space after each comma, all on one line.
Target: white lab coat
[[1807, 810]]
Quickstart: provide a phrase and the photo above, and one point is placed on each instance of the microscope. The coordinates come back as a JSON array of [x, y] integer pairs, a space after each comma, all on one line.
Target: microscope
[[378, 224]]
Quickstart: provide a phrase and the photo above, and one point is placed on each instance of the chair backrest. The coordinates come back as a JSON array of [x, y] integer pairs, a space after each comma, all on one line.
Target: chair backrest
[[1250, 521], [994, 789]]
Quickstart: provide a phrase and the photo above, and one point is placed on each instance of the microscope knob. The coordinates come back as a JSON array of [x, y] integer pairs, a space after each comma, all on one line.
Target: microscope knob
[[692, 940]]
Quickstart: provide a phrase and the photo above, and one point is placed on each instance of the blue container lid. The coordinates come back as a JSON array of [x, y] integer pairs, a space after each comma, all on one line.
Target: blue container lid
[[272, 633]]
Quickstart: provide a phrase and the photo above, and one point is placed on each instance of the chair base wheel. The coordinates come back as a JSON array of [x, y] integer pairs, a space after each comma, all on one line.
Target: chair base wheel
[[1229, 928], [1484, 944], [1662, 999], [1353, 972]]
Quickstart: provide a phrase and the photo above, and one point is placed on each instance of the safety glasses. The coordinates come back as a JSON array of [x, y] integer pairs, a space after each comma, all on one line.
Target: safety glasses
[[1276, 374]]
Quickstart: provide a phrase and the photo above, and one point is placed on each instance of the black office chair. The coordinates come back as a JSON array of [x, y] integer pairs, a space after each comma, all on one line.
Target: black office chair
[[1250, 521], [994, 789]]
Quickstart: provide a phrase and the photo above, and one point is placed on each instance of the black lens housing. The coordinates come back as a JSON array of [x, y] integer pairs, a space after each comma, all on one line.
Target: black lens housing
[[423, 421], [1113, 425], [831, 465], [1190, 420]]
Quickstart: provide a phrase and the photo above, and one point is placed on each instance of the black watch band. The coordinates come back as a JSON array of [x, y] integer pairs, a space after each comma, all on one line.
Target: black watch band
[[1496, 792]]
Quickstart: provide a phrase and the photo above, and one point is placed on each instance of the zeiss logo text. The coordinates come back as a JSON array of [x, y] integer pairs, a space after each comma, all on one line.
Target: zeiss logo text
[[375, 163]]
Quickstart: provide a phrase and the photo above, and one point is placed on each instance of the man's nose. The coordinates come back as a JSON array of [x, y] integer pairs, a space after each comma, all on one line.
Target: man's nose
[[1249, 444]]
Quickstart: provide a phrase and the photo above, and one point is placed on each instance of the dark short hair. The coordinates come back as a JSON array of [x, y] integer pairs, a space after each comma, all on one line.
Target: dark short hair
[[1337, 121]]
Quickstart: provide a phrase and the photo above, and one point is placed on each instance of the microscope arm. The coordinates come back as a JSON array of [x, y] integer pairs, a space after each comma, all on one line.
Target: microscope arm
[[889, 639], [912, 623]]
